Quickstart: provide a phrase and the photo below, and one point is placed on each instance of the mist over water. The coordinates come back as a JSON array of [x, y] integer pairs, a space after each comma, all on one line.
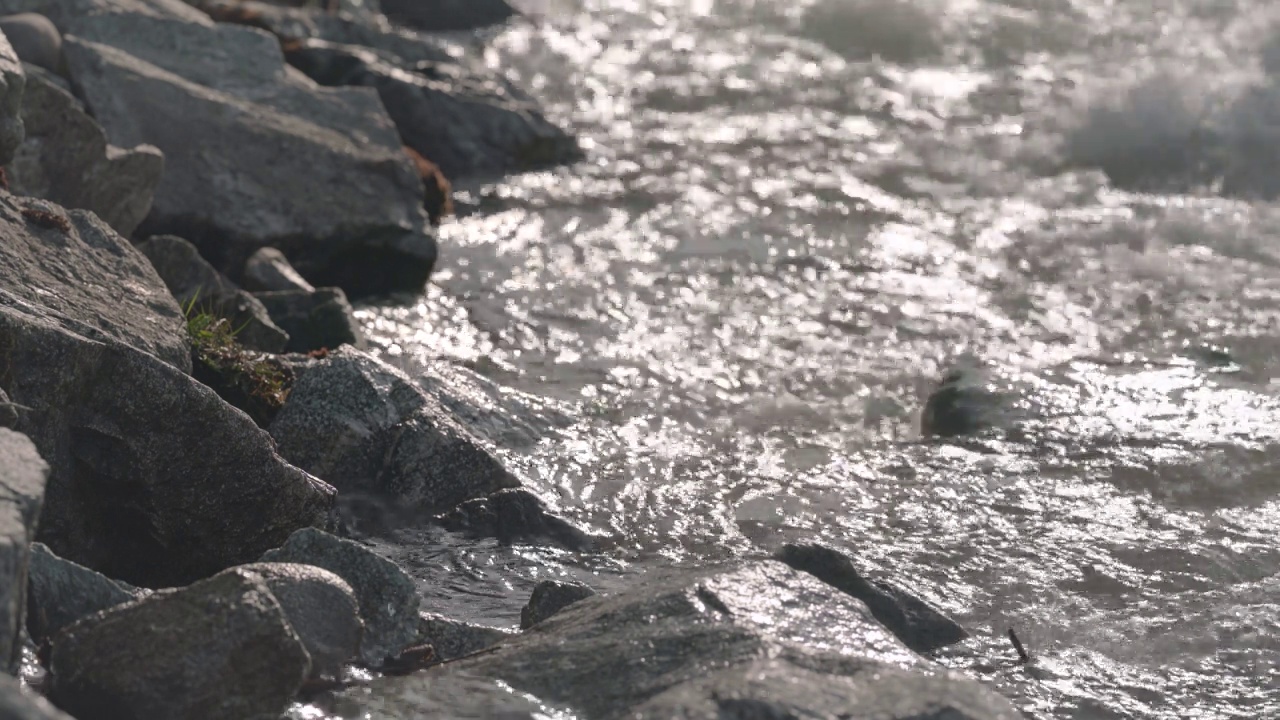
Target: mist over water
[[717, 333]]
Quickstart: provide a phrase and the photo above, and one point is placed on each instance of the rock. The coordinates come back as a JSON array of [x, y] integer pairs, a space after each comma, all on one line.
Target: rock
[[16, 703], [154, 479], [512, 516], [23, 474], [468, 124], [387, 597], [320, 606], [713, 643], [919, 625], [447, 15], [438, 198], [195, 284], [550, 597], [60, 592], [357, 420], [12, 83], [8, 411], [964, 402], [455, 638], [35, 39], [502, 416], [66, 159], [241, 133], [314, 319], [220, 648], [64, 13], [268, 270]]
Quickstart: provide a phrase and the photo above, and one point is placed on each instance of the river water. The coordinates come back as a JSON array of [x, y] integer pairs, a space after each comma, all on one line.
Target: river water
[[717, 333]]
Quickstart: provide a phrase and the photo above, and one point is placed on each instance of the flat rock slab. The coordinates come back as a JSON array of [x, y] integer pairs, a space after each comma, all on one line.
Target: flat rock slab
[[257, 155], [22, 482], [753, 640], [221, 648]]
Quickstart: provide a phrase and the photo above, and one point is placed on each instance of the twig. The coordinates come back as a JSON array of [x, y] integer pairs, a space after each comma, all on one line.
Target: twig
[[1023, 657]]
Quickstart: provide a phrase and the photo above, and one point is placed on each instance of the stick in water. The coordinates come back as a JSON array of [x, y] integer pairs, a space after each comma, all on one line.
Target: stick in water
[[1023, 657]]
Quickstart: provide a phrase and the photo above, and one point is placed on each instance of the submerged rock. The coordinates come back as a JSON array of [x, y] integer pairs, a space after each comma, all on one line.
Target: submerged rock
[[314, 319], [61, 592], [964, 402], [455, 638], [17, 703], [155, 479], [756, 640], [268, 270], [447, 15], [241, 132], [197, 285], [917, 624], [469, 125], [221, 648], [35, 39], [23, 474], [320, 607], [387, 596], [66, 159], [353, 418], [550, 597], [512, 516]]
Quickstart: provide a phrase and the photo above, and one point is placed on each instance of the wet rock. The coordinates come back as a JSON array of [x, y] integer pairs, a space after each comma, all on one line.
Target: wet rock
[[502, 416], [35, 39], [155, 480], [314, 319], [239, 131], [513, 516], [917, 624], [18, 703], [455, 638], [23, 474], [550, 597], [221, 648], [965, 402], [357, 420], [268, 270], [468, 124], [195, 284], [712, 643], [66, 159], [387, 597], [321, 608], [12, 83], [60, 592], [447, 15]]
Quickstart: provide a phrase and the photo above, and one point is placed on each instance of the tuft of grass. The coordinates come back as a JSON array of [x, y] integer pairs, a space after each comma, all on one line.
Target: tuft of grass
[[255, 382]]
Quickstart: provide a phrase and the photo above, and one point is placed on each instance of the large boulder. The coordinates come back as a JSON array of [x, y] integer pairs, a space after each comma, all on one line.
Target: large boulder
[[470, 125], [256, 154], [66, 158], [314, 319], [12, 84], [155, 480], [447, 15], [60, 592], [17, 703], [387, 597], [221, 648], [22, 481], [363, 424], [755, 640], [196, 285]]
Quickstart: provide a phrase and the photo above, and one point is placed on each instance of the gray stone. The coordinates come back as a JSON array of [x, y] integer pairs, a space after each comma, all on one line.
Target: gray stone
[[512, 516], [35, 39], [387, 597], [268, 270], [502, 416], [550, 597], [966, 401], [66, 159], [353, 418], [17, 703], [739, 641], [917, 624], [470, 125], [447, 15], [454, 638], [23, 475], [314, 319], [255, 154], [155, 480], [64, 13], [196, 284], [12, 83], [320, 606], [221, 648], [60, 592]]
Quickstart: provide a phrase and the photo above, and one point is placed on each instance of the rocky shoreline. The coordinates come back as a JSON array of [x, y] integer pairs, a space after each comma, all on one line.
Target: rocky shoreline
[[195, 191]]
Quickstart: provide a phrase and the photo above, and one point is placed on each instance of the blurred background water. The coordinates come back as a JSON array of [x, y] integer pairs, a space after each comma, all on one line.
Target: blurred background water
[[717, 333]]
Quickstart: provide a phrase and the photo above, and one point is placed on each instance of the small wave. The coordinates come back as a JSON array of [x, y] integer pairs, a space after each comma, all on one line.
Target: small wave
[[901, 31]]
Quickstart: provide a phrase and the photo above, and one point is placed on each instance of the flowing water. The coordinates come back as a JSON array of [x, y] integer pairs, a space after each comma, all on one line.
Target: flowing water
[[717, 333]]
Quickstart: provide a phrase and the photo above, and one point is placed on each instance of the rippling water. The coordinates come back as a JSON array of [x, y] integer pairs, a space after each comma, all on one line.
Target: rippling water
[[717, 333]]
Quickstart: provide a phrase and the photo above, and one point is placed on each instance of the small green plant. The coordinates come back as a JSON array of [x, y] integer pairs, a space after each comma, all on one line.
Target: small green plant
[[257, 383]]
